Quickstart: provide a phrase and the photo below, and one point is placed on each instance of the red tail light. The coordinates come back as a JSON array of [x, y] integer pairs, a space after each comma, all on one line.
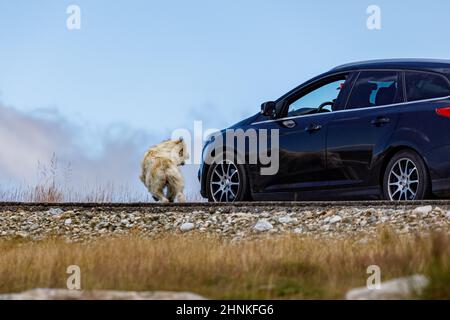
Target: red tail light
[[445, 112]]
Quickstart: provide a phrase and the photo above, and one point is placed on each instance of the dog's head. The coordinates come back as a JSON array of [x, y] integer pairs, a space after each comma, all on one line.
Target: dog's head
[[180, 152], [173, 149]]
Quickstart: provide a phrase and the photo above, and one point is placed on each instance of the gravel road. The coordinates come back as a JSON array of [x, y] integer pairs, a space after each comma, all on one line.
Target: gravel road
[[78, 222]]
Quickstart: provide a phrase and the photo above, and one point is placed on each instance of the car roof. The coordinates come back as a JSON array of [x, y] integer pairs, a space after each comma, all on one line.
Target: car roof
[[441, 66], [437, 65]]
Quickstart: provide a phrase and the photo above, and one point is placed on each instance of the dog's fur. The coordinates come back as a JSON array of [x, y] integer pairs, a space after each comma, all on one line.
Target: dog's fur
[[160, 170]]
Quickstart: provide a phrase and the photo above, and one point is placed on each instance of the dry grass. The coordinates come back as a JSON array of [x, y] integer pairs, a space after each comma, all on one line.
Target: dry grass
[[54, 193], [55, 187], [287, 268]]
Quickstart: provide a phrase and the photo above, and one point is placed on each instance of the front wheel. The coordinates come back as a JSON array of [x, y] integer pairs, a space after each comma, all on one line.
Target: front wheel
[[227, 181], [406, 178]]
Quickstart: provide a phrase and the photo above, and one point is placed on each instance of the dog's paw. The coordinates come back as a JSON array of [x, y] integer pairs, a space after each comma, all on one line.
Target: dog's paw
[[181, 197], [164, 200]]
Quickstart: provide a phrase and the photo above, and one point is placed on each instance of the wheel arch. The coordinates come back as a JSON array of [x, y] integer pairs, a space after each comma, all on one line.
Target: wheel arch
[[237, 154], [392, 152]]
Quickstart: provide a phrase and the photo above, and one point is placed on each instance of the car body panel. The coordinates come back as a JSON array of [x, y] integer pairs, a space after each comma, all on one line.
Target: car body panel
[[354, 143], [347, 157], [302, 153]]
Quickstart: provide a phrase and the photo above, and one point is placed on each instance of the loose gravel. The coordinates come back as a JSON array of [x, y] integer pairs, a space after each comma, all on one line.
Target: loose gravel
[[86, 223]]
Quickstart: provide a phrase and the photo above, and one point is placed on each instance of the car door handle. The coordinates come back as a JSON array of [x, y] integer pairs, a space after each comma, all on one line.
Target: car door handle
[[313, 127], [289, 124], [380, 121]]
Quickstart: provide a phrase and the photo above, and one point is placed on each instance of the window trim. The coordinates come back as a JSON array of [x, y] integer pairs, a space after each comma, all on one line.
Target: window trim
[[301, 87], [351, 110]]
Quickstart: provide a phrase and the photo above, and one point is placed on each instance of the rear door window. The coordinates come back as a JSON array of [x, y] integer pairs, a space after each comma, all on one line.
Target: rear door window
[[375, 88], [424, 85]]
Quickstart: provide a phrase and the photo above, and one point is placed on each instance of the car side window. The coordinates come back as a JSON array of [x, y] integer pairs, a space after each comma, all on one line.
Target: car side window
[[424, 85], [375, 88], [318, 100]]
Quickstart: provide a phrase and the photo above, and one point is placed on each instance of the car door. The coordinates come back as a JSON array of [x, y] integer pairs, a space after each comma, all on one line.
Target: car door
[[358, 134], [302, 137]]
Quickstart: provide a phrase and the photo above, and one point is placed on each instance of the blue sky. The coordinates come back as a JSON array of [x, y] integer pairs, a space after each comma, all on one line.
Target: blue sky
[[154, 66]]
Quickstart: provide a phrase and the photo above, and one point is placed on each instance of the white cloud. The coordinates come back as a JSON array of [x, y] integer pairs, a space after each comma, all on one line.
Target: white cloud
[[97, 157]]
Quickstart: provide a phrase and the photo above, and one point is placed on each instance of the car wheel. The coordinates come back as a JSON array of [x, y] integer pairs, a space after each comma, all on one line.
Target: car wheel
[[227, 181], [406, 178]]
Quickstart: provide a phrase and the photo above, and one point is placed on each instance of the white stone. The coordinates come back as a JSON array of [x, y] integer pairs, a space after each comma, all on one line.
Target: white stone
[[423, 210], [396, 289], [263, 225], [188, 226], [62, 294], [55, 211], [335, 219], [125, 222], [22, 234], [448, 214], [298, 230], [285, 220], [68, 222], [372, 219]]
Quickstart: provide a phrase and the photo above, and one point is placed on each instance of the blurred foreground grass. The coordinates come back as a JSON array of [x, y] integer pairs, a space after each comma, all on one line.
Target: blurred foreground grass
[[273, 268]]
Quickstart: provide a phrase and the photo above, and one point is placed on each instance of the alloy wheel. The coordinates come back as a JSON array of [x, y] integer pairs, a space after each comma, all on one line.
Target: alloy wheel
[[225, 182], [403, 180]]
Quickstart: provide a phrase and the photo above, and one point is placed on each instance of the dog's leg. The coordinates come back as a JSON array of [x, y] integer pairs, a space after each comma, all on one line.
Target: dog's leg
[[171, 193], [158, 195], [157, 191], [181, 197], [176, 184]]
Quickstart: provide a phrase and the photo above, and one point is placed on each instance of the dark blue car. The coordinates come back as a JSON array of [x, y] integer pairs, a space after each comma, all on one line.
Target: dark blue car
[[367, 130]]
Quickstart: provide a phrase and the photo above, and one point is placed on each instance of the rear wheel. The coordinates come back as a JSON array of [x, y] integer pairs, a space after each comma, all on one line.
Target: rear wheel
[[406, 178], [227, 181]]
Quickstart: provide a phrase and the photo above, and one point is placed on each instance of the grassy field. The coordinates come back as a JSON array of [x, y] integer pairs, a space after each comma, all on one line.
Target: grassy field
[[277, 268], [55, 186]]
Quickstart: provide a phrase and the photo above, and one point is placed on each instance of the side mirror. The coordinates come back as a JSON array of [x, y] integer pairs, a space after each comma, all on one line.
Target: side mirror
[[268, 108]]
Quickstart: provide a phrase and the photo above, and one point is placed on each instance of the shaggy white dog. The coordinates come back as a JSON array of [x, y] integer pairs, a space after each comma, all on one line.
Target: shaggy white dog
[[161, 170]]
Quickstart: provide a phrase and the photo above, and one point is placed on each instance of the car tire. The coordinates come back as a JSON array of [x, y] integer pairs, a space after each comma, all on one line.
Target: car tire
[[227, 181], [406, 178]]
